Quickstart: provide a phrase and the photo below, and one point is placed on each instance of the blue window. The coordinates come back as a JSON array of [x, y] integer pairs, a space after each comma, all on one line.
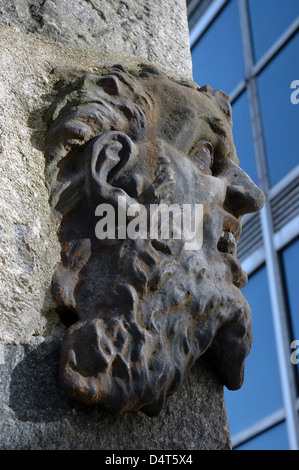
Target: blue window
[[274, 439], [269, 19], [290, 257], [217, 57], [279, 116], [260, 394], [243, 136]]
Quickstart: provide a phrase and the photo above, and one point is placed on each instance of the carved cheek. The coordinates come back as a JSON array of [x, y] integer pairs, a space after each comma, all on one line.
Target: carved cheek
[[209, 191]]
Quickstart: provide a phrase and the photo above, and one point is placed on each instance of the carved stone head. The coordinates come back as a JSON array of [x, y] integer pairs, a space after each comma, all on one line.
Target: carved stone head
[[141, 311]]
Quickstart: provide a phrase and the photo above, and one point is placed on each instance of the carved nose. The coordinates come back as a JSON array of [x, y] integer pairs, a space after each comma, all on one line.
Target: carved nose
[[244, 197]]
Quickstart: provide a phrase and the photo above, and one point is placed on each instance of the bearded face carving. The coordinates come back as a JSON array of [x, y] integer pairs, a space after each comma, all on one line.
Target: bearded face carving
[[139, 312]]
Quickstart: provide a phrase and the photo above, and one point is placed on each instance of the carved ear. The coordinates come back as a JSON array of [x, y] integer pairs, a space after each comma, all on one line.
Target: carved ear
[[108, 157]]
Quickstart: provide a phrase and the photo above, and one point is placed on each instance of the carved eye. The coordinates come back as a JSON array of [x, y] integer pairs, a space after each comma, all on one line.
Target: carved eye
[[203, 155]]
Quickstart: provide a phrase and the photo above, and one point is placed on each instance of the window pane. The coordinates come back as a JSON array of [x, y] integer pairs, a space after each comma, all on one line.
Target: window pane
[[217, 57], [243, 136], [277, 15], [260, 394], [274, 439], [290, 257], [280, 117]]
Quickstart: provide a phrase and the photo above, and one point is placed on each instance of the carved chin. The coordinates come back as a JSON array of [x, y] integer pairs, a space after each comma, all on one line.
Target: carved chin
[[113, 365], [92, 367], [122, 366]]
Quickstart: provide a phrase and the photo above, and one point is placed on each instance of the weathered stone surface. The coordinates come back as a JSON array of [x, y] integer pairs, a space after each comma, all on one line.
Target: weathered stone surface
[[152, 30], [36, 414], [29, 248]]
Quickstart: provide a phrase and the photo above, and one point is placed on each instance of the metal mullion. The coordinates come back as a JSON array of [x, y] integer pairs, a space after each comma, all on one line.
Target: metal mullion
[[282, 211], [284, 182], [276, 47], [207, 18], [272, 262], [287, 233], [286, 203], [254, 261], [237, 91], [292, 188], [259, 427], [281, 329]]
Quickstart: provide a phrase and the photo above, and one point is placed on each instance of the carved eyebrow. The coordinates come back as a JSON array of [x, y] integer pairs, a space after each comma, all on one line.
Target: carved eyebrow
[[217, 125]]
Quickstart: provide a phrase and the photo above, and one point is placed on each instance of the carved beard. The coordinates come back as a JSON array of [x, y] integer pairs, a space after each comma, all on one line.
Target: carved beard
[[166, 308]]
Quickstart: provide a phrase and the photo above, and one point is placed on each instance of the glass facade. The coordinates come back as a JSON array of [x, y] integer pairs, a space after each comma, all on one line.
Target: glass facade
[[220, 49], [290, 260], [273, 439], [250, 50], [276, 16], [261, 392], [279, 115], [243, 136]]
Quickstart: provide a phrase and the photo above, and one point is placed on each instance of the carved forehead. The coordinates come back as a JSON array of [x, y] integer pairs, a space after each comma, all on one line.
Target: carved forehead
[[187, 111], [134, 102], [194, 100]]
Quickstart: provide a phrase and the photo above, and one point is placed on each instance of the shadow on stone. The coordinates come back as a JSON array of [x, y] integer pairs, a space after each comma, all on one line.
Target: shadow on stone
[[35, 393], [45, 418]]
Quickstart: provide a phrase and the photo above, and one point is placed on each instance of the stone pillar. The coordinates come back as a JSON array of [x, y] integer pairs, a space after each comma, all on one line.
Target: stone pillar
[[42, 43]]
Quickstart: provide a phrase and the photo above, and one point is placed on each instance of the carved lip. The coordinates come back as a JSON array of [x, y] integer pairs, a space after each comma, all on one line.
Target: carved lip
[[228, 238], [227, 246], [239, 276], [233, 225]]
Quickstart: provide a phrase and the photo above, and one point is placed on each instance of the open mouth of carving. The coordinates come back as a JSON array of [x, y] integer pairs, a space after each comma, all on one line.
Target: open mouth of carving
[[227, 246], [227, 243]]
